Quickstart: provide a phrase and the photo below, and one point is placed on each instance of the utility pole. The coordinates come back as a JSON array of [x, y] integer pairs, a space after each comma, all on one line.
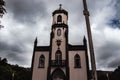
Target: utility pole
[[92, 57]]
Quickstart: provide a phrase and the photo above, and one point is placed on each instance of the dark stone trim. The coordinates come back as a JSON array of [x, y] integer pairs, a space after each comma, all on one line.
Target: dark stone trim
[[67, 55], [40, 67], [48, 73], [54, 63], [62, 25], [42, 48], [67, 72], [52, 34], [76, 47], [60, 11], [77, 67], [32, 64], [49, 64]]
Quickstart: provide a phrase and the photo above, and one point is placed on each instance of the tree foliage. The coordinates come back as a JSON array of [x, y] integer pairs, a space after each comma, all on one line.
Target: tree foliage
[[116, 74], [13, 72], [2, 8]]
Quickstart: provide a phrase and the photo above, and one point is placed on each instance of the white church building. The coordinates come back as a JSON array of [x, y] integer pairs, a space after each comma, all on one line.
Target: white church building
[[60, 60]]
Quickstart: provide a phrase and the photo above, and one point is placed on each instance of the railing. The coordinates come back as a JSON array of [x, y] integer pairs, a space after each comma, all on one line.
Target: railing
[[58, 63]]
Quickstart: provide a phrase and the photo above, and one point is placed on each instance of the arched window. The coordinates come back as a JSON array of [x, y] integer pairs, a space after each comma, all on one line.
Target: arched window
[[58, 56], [59, 18], [77, 61], [41, 61]]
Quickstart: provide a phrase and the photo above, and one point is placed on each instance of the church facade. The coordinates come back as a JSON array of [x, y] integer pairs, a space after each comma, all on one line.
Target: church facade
[[60, 60]]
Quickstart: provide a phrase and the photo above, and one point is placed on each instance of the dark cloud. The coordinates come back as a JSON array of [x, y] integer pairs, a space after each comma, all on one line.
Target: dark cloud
[[114, 63], [13, 47], [12, 51], [26, 11], [108, 55], [115, 22]]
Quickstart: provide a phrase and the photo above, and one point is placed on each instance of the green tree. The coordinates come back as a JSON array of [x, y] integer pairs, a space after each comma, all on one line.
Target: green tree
[[116, 74], [13, 72]]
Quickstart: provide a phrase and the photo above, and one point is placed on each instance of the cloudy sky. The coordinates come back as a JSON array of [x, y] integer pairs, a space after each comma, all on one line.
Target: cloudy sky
[[27, 19]]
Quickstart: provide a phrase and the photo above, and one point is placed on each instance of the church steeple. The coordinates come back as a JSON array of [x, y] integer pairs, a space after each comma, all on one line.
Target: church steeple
[[59, 37], [60, 16]]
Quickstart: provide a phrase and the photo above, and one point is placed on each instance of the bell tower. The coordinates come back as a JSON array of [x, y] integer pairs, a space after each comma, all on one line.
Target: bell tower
[[59, 41], [60, 16], [59, 33]]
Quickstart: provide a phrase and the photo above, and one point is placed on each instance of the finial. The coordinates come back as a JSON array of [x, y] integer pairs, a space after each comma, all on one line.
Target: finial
[[84, 39], [36, 40], [60, 6]]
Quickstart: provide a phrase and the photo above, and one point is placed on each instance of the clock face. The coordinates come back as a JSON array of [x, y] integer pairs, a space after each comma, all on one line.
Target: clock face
[[59, 32]]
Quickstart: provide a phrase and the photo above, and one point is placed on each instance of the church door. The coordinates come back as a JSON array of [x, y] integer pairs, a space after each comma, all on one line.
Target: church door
[[58, 74]]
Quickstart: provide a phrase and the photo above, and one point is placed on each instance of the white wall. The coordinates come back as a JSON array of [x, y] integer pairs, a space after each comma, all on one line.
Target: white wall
[[77, 73], [40, 73]]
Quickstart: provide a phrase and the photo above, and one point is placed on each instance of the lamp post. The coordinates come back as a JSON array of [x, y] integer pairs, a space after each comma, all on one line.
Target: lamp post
[[13, 74]]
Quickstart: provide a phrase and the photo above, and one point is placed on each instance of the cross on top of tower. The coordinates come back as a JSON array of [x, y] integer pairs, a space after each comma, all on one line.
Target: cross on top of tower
[[60, 6]]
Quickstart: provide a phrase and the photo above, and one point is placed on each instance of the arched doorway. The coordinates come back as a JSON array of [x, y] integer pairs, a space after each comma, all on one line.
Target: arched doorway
[[58, 74]]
